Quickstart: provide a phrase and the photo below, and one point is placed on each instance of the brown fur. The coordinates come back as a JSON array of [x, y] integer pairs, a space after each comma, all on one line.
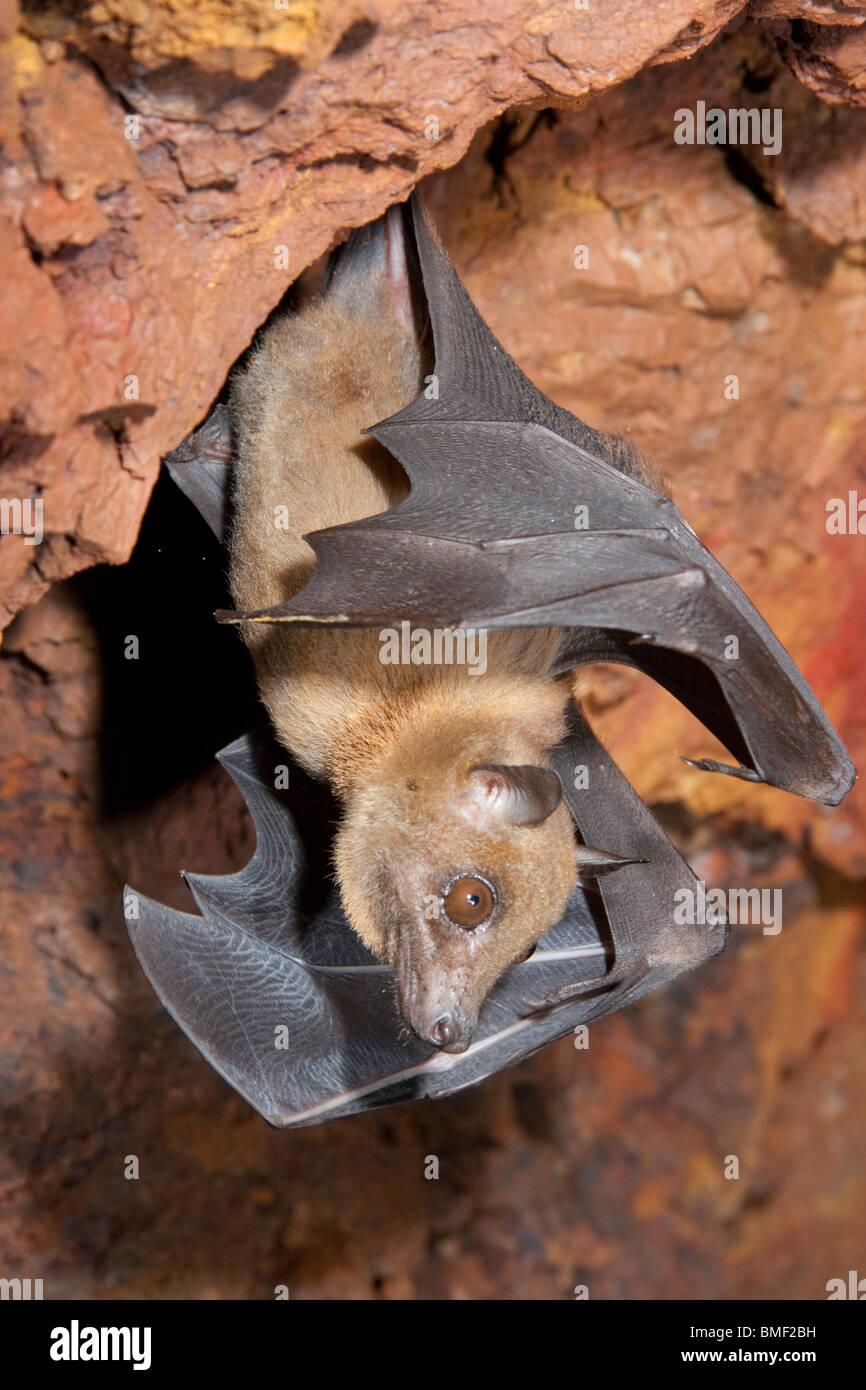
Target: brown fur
[[396, 742]]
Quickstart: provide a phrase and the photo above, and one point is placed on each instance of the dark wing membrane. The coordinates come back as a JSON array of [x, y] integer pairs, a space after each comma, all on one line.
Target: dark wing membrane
[[201, 466], [294, 1013], [301, 1020]]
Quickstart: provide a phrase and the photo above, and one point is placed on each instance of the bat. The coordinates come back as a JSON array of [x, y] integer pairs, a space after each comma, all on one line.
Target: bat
[[291, 997]]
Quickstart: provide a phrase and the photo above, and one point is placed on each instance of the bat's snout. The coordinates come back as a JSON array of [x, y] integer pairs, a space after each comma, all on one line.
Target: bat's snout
[[440, 1022], [431, 1001], [450, 1033]]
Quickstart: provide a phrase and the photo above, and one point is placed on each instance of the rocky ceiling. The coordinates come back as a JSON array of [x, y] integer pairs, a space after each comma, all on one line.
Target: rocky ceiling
[[156, 156]]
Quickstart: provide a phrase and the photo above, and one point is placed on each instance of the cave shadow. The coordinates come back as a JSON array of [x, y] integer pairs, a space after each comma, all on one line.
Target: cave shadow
[[177, 686]]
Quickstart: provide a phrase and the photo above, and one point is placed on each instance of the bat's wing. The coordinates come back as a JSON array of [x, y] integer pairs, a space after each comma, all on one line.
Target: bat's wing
[[201, 466], [517, 516], [285, 1002]]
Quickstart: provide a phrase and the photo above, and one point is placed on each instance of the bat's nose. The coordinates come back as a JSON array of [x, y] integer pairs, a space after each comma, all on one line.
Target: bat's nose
[[444, 1031], [448, 1034]]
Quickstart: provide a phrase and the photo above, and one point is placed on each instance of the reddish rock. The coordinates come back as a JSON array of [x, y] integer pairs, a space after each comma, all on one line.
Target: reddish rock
[[154, 260], [830, 60], [154, 195]]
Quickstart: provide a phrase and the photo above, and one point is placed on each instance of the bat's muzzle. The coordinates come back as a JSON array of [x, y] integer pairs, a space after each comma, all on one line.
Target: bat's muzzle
[[441, 1025], [431, 1007], [450, 1033]]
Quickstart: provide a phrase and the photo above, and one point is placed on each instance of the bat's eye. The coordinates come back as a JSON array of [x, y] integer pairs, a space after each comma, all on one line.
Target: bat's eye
[[469, 902]]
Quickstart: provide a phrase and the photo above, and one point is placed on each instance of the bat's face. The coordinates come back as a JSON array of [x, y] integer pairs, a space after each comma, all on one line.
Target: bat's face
[[452, 878]]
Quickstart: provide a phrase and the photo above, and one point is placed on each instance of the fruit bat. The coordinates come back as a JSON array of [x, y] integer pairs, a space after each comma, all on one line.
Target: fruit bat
[[492, 861]]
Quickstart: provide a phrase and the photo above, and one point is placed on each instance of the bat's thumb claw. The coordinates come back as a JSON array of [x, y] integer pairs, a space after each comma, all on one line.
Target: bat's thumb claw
[[592, 863], [710, 765]]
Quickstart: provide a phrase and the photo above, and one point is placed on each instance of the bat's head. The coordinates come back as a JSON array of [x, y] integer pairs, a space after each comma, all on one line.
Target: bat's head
[[452, 874]]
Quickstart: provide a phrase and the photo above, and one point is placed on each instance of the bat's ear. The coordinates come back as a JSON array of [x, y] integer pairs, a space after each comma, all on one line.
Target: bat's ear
[[592, 863], [520, 793]]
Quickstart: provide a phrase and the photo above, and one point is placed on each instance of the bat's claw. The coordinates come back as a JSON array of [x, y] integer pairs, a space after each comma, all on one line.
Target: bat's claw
[[593, 863], [573, 991], [618, 978], [710, 765]]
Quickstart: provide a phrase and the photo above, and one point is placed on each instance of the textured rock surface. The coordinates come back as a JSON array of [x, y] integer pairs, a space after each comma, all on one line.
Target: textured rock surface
[[604, 1166], [143, 257]]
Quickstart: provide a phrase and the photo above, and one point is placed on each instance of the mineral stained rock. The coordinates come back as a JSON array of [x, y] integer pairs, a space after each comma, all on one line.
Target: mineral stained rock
[[169, 169], [709, 303]]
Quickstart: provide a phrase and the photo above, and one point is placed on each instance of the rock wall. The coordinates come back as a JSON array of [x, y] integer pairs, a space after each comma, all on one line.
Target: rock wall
[[148, 251], [158, 156]]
